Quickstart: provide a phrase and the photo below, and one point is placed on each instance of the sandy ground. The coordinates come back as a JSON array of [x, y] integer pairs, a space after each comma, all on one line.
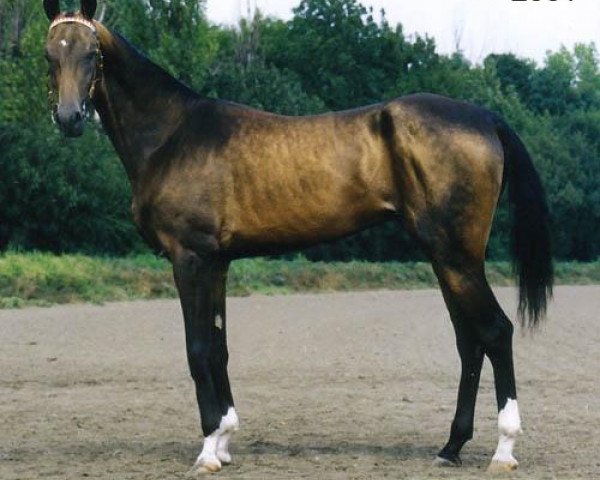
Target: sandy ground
[[342, 386]]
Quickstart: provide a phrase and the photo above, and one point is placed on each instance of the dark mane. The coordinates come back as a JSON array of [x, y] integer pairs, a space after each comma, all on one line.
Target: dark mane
[[155, 76]]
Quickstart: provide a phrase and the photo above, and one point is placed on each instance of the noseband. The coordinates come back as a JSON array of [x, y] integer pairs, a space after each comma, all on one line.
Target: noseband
[[75, 18]]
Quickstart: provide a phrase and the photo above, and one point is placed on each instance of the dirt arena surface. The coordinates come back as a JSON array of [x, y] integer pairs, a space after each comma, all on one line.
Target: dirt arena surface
[[342, 386]]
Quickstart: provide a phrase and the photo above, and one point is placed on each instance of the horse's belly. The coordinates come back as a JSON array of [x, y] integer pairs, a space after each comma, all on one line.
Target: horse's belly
[[278, 227]]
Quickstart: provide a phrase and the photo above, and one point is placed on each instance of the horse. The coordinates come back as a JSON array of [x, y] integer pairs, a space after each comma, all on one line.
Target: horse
[[213, 181]]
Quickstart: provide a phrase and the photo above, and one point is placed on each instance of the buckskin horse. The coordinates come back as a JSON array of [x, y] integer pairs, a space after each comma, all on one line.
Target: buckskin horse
[[213, 181]]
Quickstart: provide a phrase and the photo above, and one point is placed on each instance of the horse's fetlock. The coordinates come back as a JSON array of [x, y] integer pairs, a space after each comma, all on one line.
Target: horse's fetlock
[[462, 429]]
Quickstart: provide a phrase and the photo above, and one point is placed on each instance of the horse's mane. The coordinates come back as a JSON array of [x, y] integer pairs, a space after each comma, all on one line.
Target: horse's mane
[[147, 70]]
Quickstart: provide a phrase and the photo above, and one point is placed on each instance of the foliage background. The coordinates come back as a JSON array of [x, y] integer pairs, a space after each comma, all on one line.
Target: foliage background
[[60, 196]]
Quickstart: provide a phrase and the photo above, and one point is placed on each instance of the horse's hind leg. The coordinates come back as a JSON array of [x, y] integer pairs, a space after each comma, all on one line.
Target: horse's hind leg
[[482, 325], [471, 354]]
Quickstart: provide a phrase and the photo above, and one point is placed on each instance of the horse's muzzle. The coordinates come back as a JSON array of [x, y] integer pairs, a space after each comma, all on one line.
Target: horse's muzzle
[[70, 121]]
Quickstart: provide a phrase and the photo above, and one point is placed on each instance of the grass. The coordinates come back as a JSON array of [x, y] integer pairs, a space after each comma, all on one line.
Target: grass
[[39, 279]]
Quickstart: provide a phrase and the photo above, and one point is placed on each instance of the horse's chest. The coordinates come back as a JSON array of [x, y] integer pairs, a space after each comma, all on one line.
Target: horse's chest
[[142, 217], [172, 218]]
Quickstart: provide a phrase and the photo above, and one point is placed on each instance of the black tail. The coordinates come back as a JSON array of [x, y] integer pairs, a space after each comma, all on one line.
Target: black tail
[[530, 235]]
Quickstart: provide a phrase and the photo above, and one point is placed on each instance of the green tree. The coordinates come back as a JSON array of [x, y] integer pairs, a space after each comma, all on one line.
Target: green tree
[[587, 75], [241, 73], [513, 73], [358, 59], [553, 87], [173, 33]]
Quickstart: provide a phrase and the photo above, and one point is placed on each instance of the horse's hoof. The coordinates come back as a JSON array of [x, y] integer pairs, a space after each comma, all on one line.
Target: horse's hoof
[[503, 466], [204, 468], [447, 462]]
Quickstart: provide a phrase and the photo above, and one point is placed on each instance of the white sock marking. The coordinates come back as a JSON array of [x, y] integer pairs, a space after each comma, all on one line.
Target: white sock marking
[[231, 421], [223, 448], [215, 450], [209, 451], [509, 426]]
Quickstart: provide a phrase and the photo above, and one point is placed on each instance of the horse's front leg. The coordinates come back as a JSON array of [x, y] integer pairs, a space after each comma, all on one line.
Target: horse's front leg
[[201, 284], [219, 360]]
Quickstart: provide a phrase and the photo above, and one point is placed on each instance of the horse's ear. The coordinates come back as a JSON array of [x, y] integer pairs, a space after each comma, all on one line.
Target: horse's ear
[[52, 8], [88, 8]]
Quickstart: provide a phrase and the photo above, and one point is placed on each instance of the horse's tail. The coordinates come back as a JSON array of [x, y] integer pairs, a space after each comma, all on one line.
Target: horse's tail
[[530, 235]]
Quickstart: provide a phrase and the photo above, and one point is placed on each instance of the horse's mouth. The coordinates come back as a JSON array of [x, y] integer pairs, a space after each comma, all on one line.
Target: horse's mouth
[[72, 129]]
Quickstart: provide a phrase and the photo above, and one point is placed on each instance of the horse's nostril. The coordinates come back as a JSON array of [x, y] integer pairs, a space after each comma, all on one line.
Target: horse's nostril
[[69, 115]]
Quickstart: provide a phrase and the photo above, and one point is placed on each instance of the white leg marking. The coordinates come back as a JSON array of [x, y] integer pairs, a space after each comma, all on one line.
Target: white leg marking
[[509, 426], [229, 424], [207, 461], [215, 451], [223, 449]]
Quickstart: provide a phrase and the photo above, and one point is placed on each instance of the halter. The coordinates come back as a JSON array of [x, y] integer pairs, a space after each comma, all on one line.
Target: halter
[[76, 18]]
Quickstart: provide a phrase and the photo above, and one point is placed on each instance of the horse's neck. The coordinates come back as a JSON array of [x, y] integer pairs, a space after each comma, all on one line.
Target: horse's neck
[[139, 104]]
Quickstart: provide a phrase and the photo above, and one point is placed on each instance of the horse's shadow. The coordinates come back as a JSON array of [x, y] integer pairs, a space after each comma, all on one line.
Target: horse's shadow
[[344, 448], [402, 451]]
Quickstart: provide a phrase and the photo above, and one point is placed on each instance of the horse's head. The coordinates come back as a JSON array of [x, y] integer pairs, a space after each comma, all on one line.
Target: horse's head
[[73, 51]]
